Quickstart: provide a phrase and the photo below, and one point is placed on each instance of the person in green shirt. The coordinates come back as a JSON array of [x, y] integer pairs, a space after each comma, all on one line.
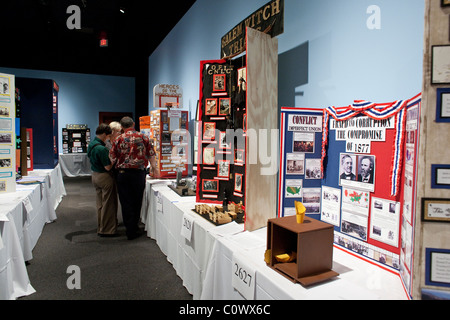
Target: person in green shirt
[[104, 183]]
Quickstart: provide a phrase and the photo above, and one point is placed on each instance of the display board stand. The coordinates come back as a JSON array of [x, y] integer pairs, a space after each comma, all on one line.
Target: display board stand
[[238, 140]]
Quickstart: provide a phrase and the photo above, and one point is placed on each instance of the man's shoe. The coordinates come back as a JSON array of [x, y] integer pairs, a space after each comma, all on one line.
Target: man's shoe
[[108, 235], [134, 235]]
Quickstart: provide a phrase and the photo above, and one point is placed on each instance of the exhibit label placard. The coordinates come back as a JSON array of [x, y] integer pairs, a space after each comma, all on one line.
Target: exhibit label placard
[[268, 19], [243, 277]]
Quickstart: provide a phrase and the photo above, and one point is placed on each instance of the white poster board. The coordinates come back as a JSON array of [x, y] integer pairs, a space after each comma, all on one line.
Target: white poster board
[[7, 133], [167, 94]]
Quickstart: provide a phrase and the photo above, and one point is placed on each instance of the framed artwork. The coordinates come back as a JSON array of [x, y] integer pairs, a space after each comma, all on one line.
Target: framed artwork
[[437, 261], [219, 82], [440, 64], [224, 106], [209, 156], [435, 210], [445, 3], [443, 105], [211, 107], [209, 131], [238, 182], [210, 186], [223, 169], [440, 176]]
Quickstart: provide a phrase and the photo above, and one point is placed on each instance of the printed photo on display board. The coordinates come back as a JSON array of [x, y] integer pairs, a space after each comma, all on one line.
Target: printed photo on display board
[[223, 144], [312, 169], [219, 82], [357, 171], [224, 109], [223, 170], [295, 163], [311, 200], [303, 142], [211, 107], [242, 80], [239, 157], [209, 131], [238, 182], [331, 205], [209, 156], [384, 221], [4, 112], [210, 186], [293, 188]]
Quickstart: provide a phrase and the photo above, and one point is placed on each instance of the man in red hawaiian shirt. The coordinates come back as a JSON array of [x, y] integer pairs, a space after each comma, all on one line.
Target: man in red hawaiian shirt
[[131, 153]]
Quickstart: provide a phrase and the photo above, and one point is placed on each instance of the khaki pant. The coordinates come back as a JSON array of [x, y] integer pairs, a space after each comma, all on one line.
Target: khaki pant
[[106, 189]]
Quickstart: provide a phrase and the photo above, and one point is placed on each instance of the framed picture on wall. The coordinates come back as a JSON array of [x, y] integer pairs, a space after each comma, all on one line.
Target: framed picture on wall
[[440, 64], [445, 3], [435, 210], [440, 176], [443, 105]]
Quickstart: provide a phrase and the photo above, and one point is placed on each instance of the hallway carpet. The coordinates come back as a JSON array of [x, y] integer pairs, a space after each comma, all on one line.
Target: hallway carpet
[[109, 268]]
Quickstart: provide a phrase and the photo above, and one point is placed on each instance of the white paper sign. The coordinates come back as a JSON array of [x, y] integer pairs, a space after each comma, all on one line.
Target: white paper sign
[[187, 226], [440, 267], [243, 277], [27, 204], [159, 205]]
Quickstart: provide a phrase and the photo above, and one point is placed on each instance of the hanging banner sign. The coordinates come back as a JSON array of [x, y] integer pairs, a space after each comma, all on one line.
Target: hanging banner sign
[[268, 19]]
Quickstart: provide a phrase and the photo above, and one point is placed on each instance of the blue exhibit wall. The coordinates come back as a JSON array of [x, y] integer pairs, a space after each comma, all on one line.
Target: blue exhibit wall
[[83, 96], [328, 56]]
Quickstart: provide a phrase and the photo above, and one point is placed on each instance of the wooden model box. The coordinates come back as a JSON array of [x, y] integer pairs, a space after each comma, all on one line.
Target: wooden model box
[[311, 243]]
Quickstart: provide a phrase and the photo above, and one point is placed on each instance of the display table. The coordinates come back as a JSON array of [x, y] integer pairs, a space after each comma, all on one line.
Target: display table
[[164, 219], [75, 164], [205, 263], [23, 215], [357, 280]]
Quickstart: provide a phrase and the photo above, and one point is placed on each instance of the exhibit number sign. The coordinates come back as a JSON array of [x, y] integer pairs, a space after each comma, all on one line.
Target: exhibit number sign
[[243, 277], [268, 19], [186, 226]]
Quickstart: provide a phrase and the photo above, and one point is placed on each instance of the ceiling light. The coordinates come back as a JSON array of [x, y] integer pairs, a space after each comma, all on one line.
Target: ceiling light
[[122, 10]]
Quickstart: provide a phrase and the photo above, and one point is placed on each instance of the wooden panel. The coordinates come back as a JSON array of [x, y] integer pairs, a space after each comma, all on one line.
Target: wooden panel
[[262, 113]]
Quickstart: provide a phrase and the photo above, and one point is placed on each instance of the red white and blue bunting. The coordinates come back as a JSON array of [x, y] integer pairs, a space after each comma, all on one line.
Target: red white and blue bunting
[[376, 112]]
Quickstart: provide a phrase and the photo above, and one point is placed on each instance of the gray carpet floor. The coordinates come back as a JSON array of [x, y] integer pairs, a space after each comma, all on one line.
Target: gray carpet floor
[[110, 268]]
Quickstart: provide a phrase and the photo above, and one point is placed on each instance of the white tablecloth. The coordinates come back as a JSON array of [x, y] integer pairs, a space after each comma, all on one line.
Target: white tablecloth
[[205, 263], [163, 223], [358, 279], [23, 215], [75, 164]]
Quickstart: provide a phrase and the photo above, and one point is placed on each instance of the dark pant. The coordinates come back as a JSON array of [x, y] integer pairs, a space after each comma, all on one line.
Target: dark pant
[[131, 186]]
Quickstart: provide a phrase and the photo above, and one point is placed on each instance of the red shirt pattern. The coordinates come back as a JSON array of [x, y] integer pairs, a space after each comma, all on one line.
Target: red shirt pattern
[[131, 150]]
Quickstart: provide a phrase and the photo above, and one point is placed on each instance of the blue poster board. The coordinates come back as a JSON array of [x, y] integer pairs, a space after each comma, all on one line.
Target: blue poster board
[[300, 166]]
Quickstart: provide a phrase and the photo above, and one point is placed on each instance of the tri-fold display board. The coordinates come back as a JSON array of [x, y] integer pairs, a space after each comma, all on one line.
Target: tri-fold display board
[[237, 113], [355, 168]]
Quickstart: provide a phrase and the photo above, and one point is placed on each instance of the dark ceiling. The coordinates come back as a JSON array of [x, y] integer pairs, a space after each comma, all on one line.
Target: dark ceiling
[[34, 34]]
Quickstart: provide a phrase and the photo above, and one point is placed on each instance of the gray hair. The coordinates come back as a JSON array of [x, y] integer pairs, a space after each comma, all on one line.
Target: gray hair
[[115, 126]]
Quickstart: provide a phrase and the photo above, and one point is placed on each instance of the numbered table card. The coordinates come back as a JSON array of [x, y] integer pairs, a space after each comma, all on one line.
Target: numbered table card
[[186, 226], [243, 277]]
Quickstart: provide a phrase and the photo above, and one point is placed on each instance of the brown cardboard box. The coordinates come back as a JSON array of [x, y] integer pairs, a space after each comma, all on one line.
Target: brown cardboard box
[[311, 241]]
